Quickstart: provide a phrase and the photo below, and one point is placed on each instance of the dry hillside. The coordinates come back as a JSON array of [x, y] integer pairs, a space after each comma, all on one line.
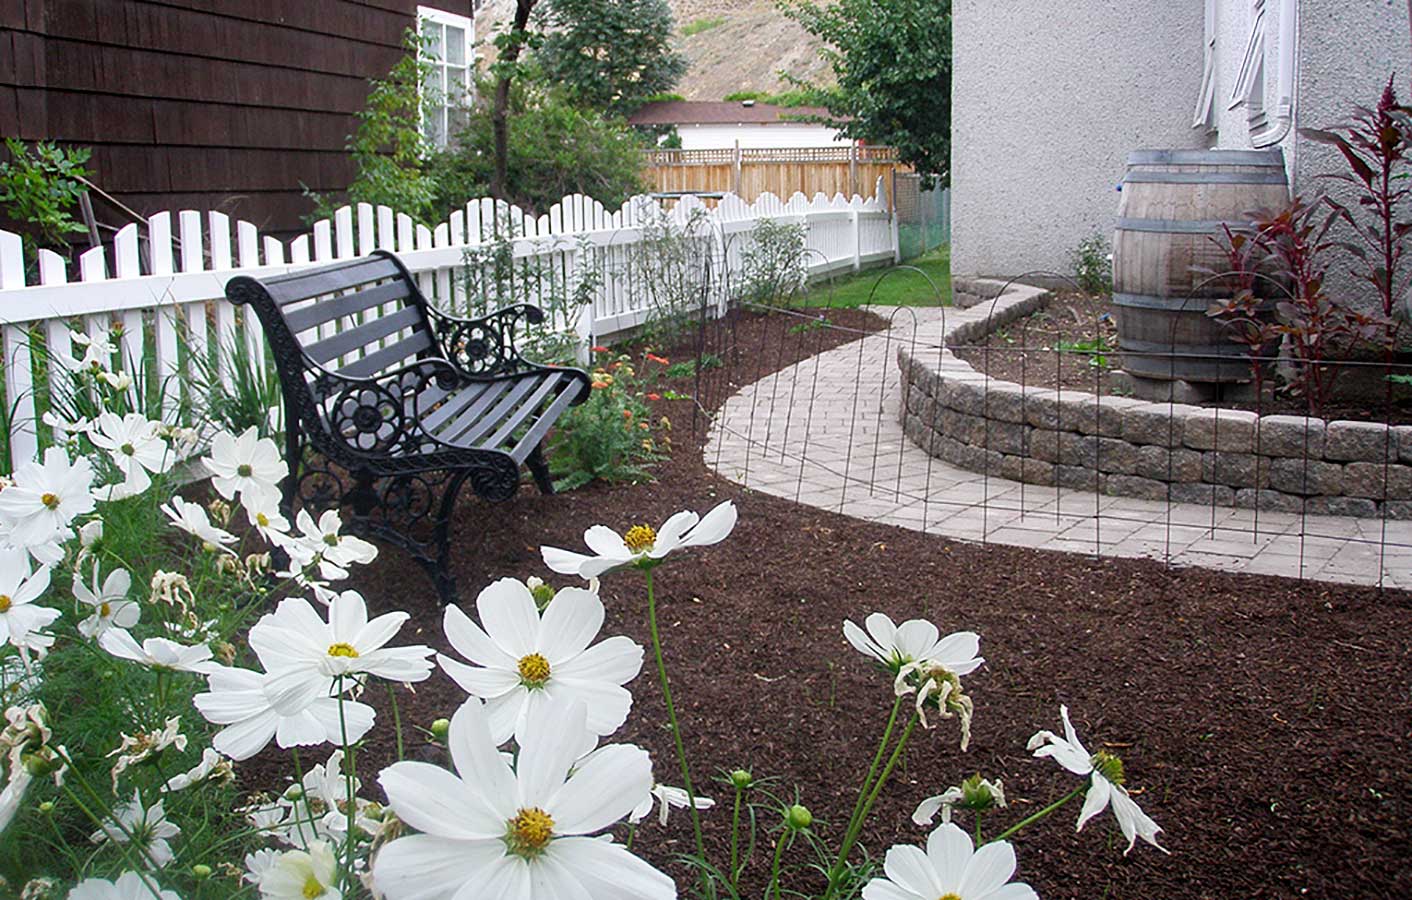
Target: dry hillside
[[736, 45]]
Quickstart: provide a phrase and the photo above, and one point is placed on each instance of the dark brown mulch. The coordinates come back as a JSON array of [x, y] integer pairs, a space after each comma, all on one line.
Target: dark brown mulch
[[1263, 722], [1054, 348]]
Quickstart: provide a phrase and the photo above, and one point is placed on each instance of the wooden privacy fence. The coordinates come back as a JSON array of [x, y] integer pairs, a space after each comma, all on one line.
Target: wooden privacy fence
[[751, 173], [158, 291]]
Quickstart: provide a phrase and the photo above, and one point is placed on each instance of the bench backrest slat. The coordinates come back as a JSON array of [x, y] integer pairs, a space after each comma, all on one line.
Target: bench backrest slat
[[378, 360], [369, 334], [287, 289], [328, 310]]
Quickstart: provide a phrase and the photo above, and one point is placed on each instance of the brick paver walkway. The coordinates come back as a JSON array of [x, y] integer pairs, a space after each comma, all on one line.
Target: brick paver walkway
[[825, 432]]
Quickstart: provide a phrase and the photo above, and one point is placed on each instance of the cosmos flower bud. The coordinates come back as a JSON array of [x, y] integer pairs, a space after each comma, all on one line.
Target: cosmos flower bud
[[440, 728], [798, 817], [742, 779], [201, 871]]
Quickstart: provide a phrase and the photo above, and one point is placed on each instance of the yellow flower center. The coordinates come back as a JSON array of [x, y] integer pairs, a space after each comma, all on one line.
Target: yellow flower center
[[1108, 765], [949, 897], [529, 832], [105, 609], [534, 670], [263, 520], [342, 649], [50, 500], [331, 540], [128, 449], [640, 538], [243, 470], [4, 603], [315, 888]]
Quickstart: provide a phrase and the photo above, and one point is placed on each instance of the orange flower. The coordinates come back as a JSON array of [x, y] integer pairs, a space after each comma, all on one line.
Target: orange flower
[[627, 415], [654, 396], [660, 360], [600, 350], [599, 385]]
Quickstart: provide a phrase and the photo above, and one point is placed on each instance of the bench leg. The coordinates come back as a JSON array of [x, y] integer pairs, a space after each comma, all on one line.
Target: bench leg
[[540, 470], [440, 567]]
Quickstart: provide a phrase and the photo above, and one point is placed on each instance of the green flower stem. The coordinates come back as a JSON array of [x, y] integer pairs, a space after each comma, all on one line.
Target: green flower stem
[[299, 780], [873, 769], [735, 839], [1030, 820], [979, 841], [126, 847], [851, 837], [774, 889], [349, 776], [396, 721], [706, 882]]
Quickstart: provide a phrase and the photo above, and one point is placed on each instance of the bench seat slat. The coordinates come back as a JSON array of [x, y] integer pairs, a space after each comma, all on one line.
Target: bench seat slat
[[527, 409], [471, 436], [530, 440], [307, 317], [461, 408], [287, 289]]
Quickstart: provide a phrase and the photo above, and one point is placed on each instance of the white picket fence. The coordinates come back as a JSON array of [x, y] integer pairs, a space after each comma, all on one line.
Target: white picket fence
[[168, 296]]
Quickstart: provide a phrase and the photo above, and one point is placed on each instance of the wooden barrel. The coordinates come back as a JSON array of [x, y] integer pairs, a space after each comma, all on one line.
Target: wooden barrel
[[1174, 203]]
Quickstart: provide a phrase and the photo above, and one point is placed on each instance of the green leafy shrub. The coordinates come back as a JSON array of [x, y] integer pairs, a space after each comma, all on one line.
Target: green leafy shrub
[[1093, 264], [40, 186], [773, 264], [608, 437]]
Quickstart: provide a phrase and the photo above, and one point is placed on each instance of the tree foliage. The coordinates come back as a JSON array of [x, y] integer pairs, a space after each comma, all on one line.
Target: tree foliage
[[893, 63], [610, 55]]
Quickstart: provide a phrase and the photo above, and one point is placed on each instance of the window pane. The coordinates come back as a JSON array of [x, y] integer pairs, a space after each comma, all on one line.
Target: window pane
[[455, 86], [455, 46], [432, 44]]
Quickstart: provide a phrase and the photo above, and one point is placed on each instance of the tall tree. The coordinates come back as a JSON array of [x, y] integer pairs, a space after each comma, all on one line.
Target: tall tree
[[610, 55], [506, 69], [893, 63]]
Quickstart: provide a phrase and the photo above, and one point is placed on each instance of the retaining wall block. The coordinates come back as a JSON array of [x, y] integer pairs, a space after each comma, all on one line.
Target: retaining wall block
[[1135, 486], [1044, 445], [1179, 465], [1398, 509], [1034, 471], [1291, 436], [1404, 442], [1005, 401], [1157, 423], [1272, 501], [1204, 494], [1229, 430], [1241, 470], [1007, 437], [1101, 416], [1368, 479], [964, 394], [1113, 455], [1298, 476], [1343, 506], [1076, 477], [1359, 442]]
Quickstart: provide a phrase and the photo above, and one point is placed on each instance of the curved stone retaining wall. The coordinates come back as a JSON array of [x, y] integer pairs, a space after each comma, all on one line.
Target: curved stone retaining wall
[[1158, 451]]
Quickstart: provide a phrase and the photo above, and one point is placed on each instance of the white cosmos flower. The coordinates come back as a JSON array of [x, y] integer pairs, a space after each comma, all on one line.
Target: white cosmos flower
[[641, 542], [12, 795], [240, 699], [129, 886], [45, 498], [192, 518], [301, 874], [98, 351], [257, 863], [524, 660], [950, 869], [248, 465], [134, 445], [18, 682], [666, 797], [323, 543], [269, 522], [301, 651], [118, 381], [974, 793], [137, 747], [913, 641], [1105, 774], [158, 653], [145, 827], [522, 831], [111, 608], [20, 617], [212, 767]]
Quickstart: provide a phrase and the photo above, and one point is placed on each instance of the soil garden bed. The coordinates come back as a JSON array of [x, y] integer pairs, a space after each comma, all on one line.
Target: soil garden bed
[[1072, 344], [1263, 722]]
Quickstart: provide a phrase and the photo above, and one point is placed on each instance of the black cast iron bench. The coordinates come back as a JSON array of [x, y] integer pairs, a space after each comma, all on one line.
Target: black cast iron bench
[[403, 403]]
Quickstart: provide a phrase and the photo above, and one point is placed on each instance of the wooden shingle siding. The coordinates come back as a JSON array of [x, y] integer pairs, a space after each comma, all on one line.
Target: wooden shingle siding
[[201, 104]]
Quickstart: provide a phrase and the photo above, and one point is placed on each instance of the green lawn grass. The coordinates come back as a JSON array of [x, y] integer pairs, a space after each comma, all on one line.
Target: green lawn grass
[[900, 285]]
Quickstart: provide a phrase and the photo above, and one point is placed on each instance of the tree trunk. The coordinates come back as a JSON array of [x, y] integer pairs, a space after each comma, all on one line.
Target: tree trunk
[[500, 113]]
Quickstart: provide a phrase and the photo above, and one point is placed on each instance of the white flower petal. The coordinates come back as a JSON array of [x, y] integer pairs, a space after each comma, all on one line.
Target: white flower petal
[[602, 790], [909, 867], [988, 870], [1099, 793], [949, 850], [472, 642], [714, 527], [477, 760], [610, 872], [423, 866], [571, 621], [509, 616], [435, 801]]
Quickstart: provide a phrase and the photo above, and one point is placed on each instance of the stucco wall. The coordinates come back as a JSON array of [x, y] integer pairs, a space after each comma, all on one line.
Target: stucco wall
[[793, 134], [1046, 107]]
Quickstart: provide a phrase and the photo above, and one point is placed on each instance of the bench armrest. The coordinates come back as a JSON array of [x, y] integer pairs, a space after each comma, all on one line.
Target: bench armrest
[[485, 346], [380, 415]]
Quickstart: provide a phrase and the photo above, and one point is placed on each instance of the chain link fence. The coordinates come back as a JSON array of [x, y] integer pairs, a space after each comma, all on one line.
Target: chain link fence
[[923, 216]]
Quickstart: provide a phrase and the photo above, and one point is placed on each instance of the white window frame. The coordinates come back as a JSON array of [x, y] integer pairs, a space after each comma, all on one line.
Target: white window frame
[[440, 135], [1268, 122], [1205, 116]]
